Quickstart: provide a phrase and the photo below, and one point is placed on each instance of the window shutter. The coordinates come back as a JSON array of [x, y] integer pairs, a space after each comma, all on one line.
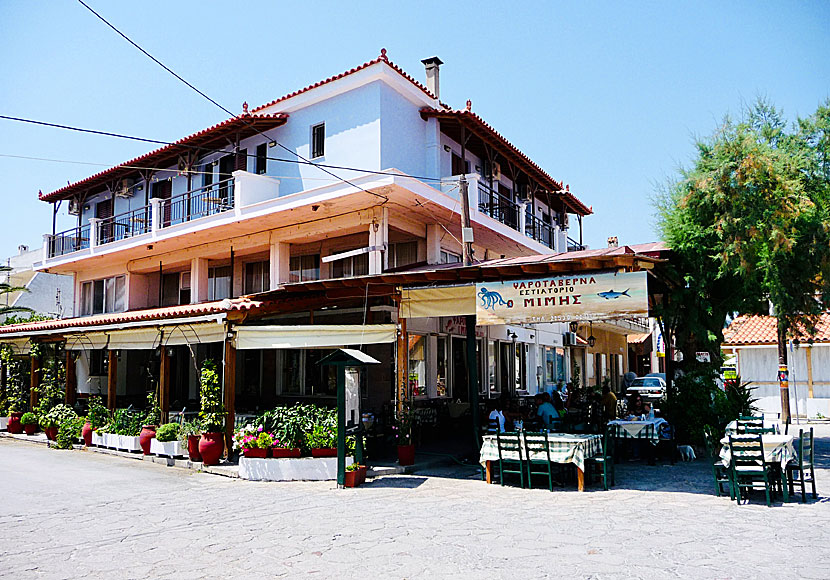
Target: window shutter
[[241, 160]]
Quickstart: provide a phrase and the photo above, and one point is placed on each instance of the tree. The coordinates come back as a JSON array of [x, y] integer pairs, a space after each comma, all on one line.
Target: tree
[[7, 288], [749, 224]]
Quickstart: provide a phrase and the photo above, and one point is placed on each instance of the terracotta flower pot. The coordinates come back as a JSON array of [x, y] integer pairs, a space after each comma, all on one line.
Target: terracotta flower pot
[[193, 447], [406, 454], [255, 453], [324, 452], [86, 433], [356, 477], [211, 446], [14, 425], [30, 429], [51, 433], [282, 452], [148, 432]]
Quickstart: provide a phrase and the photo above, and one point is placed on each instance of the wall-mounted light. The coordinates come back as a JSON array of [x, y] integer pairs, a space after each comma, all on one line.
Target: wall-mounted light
[[447, 148], [574, 326], [591, 340], [272, 143]]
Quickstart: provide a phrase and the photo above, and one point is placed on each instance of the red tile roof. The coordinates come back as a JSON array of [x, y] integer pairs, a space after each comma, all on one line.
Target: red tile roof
[[135, 316], [757, 329], [167, 154], [382, 58]]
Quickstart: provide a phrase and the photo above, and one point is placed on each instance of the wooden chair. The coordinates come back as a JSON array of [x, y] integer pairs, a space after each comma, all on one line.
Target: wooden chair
[[803, 465], [604, 462], [536, 444], [757, 430], [510, 447], [720, 472], [747, 467]]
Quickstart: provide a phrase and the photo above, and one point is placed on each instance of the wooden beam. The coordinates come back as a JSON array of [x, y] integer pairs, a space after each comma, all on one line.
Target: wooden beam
[[229, 381], [402, 366], [71, 380], [164, 385], [34, 381], [112, 379]]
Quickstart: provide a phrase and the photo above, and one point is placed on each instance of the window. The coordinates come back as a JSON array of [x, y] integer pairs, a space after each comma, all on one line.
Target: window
[[103, 296], [403, 254], [492, 381], [304, 268], [257, 277], [241, 163], [318, 140], [450, 257], [97, 363], [184, 288], [458, 167], [207, 174], [351, 266], [175, 288], [262, 159], [219, 282], [418, 365], [441, 365]]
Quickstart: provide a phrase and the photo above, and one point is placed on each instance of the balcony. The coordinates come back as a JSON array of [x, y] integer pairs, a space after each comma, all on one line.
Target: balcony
[[161, 216]]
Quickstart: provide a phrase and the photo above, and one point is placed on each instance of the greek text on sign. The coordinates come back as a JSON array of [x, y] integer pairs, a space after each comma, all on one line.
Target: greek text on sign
[[563, 298]]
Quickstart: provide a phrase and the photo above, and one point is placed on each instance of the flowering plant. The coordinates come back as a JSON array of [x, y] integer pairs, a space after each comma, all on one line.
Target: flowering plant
[[322, 437], [250, 437]]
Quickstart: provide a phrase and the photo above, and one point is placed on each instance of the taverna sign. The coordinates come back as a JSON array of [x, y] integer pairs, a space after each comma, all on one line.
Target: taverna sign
[[563, 298]]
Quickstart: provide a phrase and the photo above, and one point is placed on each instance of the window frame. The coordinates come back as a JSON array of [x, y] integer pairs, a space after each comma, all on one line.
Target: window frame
[[90, 298], [313, 143], [261, 159]]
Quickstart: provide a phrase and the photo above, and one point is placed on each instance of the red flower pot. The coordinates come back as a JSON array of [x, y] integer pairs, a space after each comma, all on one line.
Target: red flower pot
[[211, 446], [148, 432], [356, 477], [193, 447], [406, 454], [255, 453], [324, 452], [86, 433], [30, 429], [277, 452], [51, 433], [14, 425]]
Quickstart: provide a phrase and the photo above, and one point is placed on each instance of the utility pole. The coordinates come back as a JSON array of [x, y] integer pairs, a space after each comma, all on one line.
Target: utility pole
[[783, 374]]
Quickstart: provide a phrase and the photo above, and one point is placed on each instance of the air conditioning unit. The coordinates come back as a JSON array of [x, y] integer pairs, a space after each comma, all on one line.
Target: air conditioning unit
[[74, 207], [125, 189], [569, 339]]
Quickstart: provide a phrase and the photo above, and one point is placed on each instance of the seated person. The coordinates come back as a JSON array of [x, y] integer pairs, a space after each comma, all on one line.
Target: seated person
[[544, 409], [557, 403], [496, 415], [635, 404], [609, 404]]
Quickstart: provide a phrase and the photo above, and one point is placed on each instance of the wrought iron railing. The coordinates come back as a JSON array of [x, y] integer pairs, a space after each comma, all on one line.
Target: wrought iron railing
[[498, 207], [125, 225], [69, 241], [197, 203], [574, 246], [540, 231]]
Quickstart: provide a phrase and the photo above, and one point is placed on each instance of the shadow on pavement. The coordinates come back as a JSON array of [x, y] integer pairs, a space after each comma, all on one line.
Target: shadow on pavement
[[396, 481]]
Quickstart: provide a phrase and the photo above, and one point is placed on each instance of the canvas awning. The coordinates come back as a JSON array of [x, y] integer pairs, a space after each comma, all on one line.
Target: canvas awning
[[445, 301], [313, 336], [147, 338]]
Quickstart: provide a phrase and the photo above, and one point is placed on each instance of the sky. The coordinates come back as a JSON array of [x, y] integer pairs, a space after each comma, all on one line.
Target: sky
[[607, 97]]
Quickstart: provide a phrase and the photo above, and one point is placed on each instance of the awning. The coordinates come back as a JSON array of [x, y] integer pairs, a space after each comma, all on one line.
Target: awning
[[147, 338], [447, 301], [313, 336], [19, 345]]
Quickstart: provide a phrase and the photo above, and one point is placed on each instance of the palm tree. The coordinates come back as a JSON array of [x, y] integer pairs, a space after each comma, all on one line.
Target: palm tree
[[7, 288]]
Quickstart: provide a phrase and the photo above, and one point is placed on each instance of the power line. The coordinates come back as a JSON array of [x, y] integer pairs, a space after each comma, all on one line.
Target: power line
[[168, 69]]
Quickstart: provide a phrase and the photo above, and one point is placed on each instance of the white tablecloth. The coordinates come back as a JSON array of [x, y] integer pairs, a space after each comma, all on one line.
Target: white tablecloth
[[637, 429], [732, 428], [777, 449], [564, 448]]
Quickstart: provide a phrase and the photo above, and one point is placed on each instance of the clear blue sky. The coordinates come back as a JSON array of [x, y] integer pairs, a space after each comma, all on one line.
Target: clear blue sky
[[606, 96]]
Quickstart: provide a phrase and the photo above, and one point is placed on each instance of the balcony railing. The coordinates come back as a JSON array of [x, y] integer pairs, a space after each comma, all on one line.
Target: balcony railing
[[498, 207], [198, 203], [574, 246], [539, 230], [124, 225], [68, 241]]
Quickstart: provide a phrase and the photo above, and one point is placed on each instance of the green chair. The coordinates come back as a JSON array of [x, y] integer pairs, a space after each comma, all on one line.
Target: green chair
[[720, 472], [803, 465], [747, 467], [757, 430], [604, 462], [511, 456], [537, 453]]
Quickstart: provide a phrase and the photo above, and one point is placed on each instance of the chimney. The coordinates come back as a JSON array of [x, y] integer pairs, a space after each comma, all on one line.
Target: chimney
[[432, 65], [612, 242], [22, 249]]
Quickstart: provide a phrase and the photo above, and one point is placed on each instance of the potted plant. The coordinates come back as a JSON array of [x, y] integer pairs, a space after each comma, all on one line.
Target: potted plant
[[189, 434], [211, 415], [97, 416], [254, 442], [54, 418], [69, 432], [166, 442], [355, 475], [403, 432], [322, 441], [29, 422], [151, 421], [17, 388]]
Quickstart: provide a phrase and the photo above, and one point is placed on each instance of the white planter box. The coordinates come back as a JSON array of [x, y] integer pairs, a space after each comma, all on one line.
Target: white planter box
[[4, 423], [98, 440], [302, 469], [166, 448], [127, 443]]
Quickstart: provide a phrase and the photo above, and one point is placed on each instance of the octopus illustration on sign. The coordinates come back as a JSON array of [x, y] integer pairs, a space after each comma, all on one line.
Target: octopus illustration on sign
[[490, 299]]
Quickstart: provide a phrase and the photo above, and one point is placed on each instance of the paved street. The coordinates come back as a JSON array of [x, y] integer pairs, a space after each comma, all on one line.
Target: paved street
[[86, 515]]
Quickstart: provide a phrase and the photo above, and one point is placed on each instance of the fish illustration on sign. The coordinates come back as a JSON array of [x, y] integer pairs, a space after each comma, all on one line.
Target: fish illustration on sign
[[611, 295]]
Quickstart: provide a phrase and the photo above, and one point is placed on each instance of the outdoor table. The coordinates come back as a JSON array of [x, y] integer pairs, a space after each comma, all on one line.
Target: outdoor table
[[624, 429], [563, 447], [778, 450]]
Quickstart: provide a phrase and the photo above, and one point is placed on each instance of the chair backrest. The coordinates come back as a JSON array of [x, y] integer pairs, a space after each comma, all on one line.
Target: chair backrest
[[509, 444], [759, 418], [493, 426], [757, 430], [806, 448], [536, 443], [746, 451], [608, 442]]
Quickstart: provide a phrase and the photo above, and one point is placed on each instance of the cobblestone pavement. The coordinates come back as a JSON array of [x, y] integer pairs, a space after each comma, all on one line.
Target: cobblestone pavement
[[84, 515]]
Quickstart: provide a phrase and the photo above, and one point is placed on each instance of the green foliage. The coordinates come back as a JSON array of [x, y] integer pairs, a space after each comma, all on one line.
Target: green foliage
[[124, 422], [353, 467], [735, 400], [251, 437], [97, 415], [292, 424], [187, 429], [153, 416], [690, 404], [167, 432], [6, 288], [28, 418], [58, 415], [212, 413], [69, 432], [52, 381], [30, 317], [17, 381], [322, 437]]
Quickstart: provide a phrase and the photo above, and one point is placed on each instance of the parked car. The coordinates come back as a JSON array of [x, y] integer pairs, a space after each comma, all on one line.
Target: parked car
[[651, 388]]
